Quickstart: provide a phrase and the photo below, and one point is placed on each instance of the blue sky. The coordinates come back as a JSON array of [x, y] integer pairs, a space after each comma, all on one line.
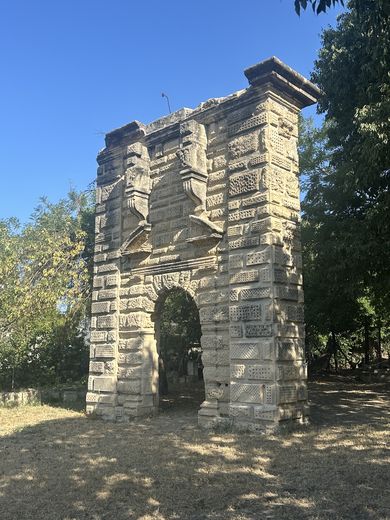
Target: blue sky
[[75, 69]]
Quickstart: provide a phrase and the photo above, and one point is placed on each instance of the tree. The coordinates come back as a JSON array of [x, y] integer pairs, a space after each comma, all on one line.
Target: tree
[[180, 334], [45, 285], [353, 73], [331, 297], [319, 6], [341, 310], [180, 316]]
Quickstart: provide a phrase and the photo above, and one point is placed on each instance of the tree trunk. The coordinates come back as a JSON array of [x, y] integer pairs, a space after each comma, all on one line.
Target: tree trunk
[[379, 342], [366, 341], [334, 349], [162, 373]]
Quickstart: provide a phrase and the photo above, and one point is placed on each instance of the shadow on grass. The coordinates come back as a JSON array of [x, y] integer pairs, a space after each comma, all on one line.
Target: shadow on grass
[[166, 468]]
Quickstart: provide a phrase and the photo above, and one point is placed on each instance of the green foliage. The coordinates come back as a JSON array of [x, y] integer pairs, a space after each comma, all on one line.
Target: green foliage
[[318, 6], [330, 295], [179, 334], [45, 273], [180, 317], [337, 300], [353, 72], [346, 179]]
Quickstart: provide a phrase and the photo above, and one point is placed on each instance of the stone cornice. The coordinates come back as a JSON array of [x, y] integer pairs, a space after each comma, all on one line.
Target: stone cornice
[[284, 78]]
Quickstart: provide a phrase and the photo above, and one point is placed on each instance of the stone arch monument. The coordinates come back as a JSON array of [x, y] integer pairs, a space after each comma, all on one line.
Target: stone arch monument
[[206, 200]]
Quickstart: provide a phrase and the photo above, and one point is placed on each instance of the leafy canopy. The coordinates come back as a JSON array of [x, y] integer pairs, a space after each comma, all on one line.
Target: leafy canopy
[[319, 6], [45, 274], [353, 72]]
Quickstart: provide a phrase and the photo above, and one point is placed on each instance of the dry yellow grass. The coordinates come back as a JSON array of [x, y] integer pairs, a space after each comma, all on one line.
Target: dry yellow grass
[[57, 465]]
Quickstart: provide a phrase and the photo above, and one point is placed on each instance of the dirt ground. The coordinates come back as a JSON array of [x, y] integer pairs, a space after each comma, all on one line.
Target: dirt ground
[[57, 465]]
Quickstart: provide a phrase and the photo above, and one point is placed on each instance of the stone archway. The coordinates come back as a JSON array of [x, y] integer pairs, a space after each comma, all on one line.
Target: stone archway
[[178, 333], [206, 200]]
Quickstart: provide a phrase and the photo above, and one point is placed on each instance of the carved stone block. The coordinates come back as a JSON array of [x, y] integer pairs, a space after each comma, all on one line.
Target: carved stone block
[[258, 330], [245, 312], [246, 393], [243, 183], [244, 351], [244, 277]]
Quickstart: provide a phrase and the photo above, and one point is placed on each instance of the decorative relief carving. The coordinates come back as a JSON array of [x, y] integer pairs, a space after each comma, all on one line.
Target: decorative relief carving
[[137, 191], [259, 257], [237, 166], [193, 160], [211, 342], [236, 331], [237, 371], [256, 161], [264, 413], [260, 372], [244, 277], [243, 145], [248, 124], [239, 410], [288, 372], [245, 312], [258, 330], [234, 295], [257, 293], [96, 366], [135, 320], [244, 242], [244, 351], [215, 392], [242, 215], [269, 394], [213, 314], [181, 279], [246, 393], [243, 183], [215, 200]]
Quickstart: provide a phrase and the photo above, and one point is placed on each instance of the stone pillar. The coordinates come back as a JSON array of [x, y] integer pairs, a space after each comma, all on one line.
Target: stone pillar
[[268, 371]]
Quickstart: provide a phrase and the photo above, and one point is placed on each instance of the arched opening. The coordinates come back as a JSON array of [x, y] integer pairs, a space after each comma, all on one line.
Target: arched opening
[[180, 368]]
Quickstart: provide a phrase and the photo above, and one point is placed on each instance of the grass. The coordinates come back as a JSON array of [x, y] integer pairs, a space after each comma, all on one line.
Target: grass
[[57, 465]]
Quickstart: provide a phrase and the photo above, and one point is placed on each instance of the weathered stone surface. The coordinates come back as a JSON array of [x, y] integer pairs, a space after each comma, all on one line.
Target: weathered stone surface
[[100, 308], [257, 293], [246, 393], [204, 200], [258, 330], [105, 384], [104, 351], [244, 277], [245, 312], [243, 183], [244, 351], [260, 372]]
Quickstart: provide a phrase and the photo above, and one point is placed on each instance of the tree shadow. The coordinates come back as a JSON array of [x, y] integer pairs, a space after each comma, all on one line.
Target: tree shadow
[[166, 468]]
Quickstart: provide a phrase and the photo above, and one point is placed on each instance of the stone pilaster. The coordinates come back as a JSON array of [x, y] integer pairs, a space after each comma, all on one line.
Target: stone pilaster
[[268, 373], [102, 390]]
